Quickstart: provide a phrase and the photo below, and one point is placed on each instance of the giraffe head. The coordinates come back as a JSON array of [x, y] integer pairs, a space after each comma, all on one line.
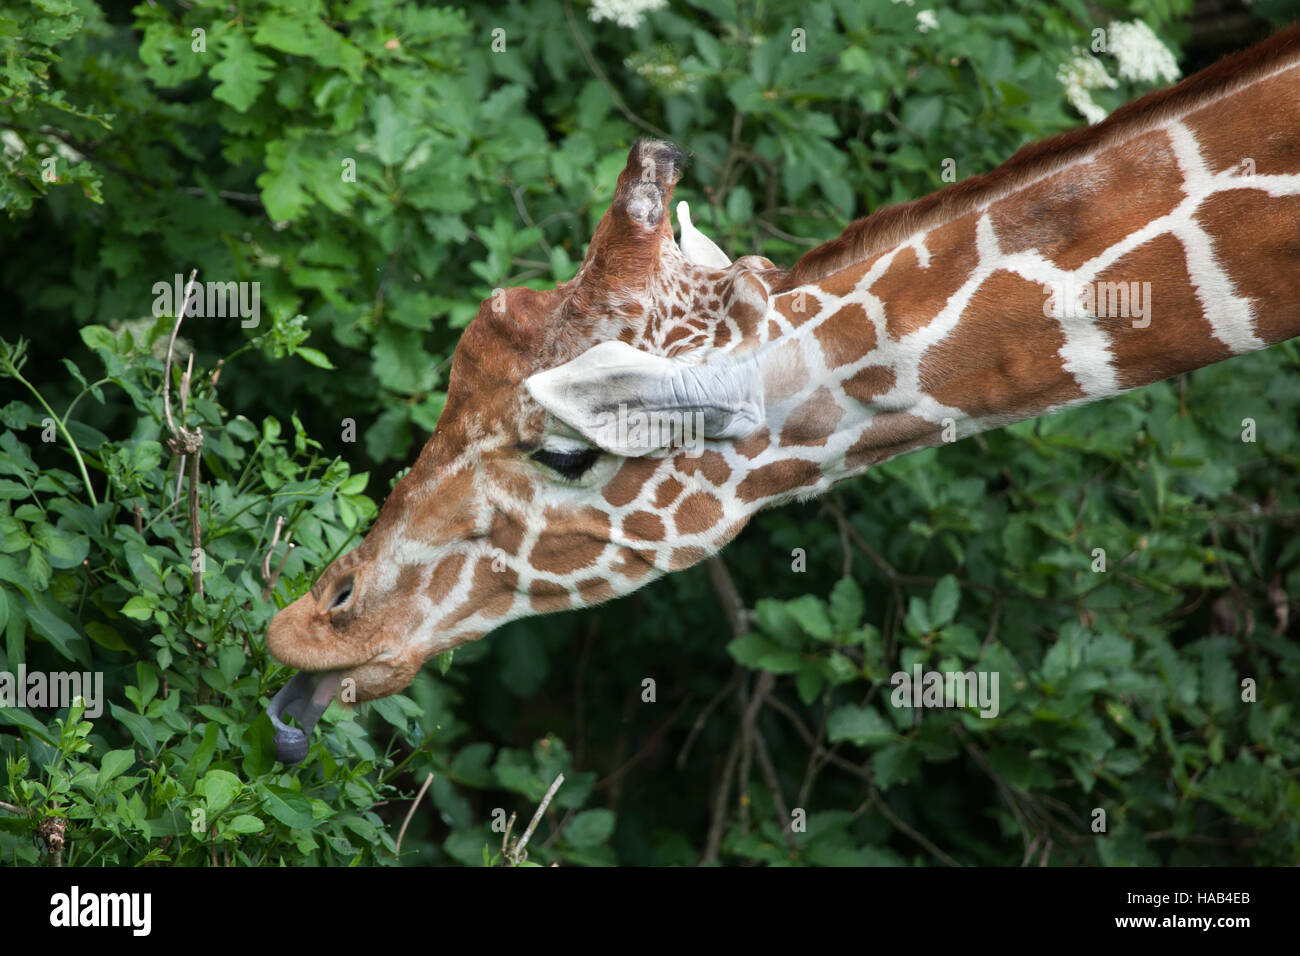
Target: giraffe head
[[575, 460]]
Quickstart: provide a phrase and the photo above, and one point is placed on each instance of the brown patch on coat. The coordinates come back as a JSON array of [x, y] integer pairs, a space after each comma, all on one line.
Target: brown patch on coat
[[698, 512], [1003, 358], [1257, 240], [813, 421], [778, 478], [890, 435], [798, 306], [846, 336], [545, 596], [445, 576], [867, 383], [1070, 217], [667, 491], [643, 526], [1178, 337], [913, 294], [1250, 116], [583, 536], [751, 446], [710, 464], [626, 484]]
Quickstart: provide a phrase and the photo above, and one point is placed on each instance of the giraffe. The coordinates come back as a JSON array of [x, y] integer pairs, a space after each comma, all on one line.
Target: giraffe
[[1161, 240]]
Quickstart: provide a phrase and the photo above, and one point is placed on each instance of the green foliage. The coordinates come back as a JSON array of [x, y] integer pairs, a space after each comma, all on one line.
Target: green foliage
[[379, 168]]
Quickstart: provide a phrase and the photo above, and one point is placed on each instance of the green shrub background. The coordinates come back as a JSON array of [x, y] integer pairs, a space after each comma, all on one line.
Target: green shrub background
[[476, 169]]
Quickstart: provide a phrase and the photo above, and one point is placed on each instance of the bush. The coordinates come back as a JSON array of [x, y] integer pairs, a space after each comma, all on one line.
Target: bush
[[479, 165]]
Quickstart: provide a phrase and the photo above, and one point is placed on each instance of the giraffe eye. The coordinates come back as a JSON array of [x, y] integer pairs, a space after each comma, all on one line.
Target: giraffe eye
[[342, 594], [570, 465]]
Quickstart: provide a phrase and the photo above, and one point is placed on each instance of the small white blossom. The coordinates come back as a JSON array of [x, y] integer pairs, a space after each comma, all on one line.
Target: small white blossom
[[908, 2], [13, 144], [926, 21], [1084, 72], [662, 72], [67, 152], [626, 13], [1141, 55]]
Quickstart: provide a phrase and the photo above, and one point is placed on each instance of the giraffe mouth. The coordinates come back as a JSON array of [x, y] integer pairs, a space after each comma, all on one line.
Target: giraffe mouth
[[304, 698]]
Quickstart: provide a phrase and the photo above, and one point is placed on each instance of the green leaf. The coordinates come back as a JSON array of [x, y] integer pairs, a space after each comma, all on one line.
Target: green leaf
[[314, 356], [860, 725], [897, 763], [590, 828], [282, 182], [140, 607], [846, 605], [113, 764], [810, 613], [290, 808], [98, 338], [219, 789], [54, 629], [809, 681], [754, 650], [141, 728], [241, 72], [245, 823], [944, 602]]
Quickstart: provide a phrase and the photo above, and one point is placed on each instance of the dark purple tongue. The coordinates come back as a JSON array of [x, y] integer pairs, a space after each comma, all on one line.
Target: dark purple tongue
[[304, 698]]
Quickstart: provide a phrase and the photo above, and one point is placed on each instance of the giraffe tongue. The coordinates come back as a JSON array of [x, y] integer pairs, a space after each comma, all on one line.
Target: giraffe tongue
[[304, 698]]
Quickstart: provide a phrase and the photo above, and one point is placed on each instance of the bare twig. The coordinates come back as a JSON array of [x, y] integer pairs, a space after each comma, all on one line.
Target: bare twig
[[196, 533], [269, 577], [728, 596], [518, 854], [773, 782], [185, 442], [737, 674], [903, 827], [865, 774], [411, 812], [719, 821], [655, 735], [171, 346]]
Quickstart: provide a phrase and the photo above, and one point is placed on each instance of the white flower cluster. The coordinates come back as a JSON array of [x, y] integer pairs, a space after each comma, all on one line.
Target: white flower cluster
[[926, 21], [1140, 54], [626, 13], [1084, 72]]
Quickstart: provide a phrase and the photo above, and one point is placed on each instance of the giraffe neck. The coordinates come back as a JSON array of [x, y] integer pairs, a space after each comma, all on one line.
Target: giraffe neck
[[1172, 244]]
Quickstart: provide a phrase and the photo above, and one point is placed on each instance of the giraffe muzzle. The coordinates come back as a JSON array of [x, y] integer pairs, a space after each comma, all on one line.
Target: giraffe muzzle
[[304, 698]]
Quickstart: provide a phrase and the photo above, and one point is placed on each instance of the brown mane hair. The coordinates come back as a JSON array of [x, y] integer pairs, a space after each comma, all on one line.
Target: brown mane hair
[[887, 227]]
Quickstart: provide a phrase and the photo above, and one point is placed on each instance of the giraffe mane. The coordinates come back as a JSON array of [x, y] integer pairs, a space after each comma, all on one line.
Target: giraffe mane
[[886, 228]]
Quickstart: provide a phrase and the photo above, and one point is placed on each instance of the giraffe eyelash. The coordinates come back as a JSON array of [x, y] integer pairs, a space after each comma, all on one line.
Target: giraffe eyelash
[[569, 465]]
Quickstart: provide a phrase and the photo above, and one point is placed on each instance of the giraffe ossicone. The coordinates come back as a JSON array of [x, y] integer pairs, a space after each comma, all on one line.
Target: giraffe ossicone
[[698, 248], [922, 323]]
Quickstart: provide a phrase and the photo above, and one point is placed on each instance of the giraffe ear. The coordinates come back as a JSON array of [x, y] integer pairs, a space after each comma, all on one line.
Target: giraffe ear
[[632, 403]]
